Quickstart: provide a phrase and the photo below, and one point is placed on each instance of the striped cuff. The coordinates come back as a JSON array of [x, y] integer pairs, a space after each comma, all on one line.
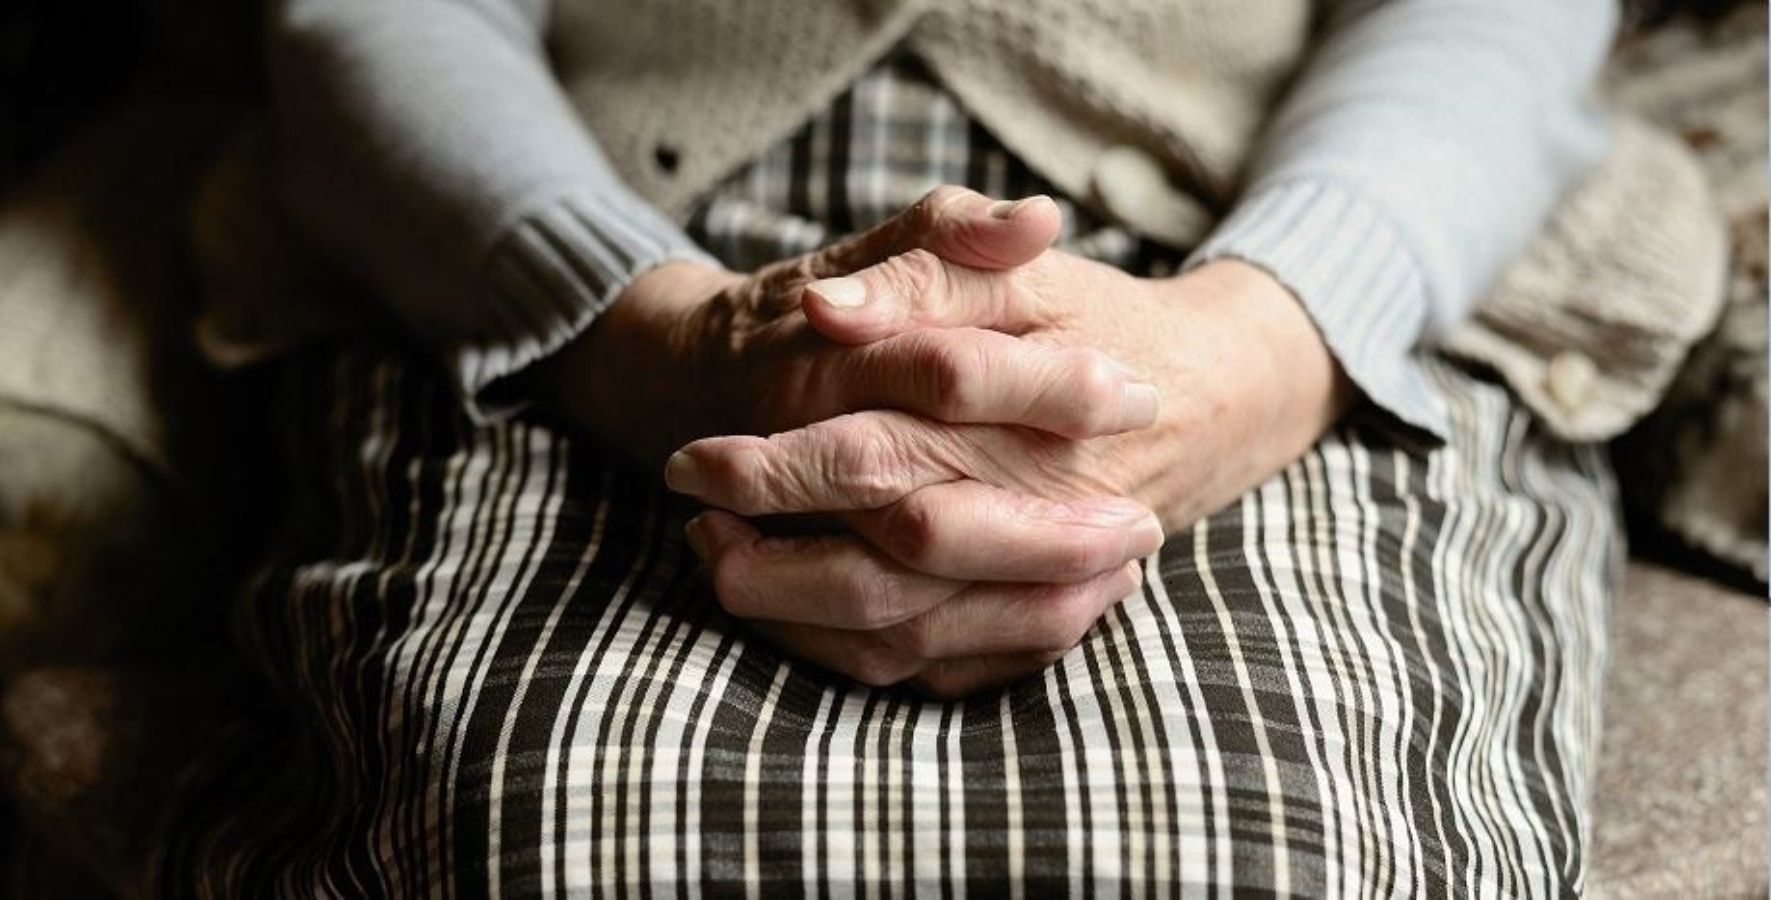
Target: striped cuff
[[1338, 255], [550, 276]]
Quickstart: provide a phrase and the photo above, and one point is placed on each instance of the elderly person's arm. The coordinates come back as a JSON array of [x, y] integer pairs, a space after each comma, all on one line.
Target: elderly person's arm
[[428, 146], [1420, 150]]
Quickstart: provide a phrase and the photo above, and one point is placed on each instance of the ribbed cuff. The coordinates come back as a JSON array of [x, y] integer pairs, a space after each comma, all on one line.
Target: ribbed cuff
[[547, 279], [1336, 252]]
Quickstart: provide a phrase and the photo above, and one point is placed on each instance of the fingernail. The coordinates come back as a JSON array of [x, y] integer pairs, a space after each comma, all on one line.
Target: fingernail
[[699, 540], [1149, 538], [1138, 404], [842, 293], [683, 474], [1131, 578]]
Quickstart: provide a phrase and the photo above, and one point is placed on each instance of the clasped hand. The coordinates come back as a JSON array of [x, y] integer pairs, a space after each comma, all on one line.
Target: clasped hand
[[997, 431]]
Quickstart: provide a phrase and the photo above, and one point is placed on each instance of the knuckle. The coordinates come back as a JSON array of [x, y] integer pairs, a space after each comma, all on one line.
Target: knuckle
[[744, 470], [872, 598], [1094, 383], [956, 371], [911, 531], [866, 468], [912, 637], [774, 288], [1067, 624], [733, 585], [913, 274], [929, 211], [796, 271], [1097, 377]]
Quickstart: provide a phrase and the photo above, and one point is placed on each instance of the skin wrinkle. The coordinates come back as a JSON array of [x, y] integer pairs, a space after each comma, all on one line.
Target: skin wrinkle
[[1034, 283], [879, 597], [1051, 384], [919, 274], [968, 241], [868, 468]]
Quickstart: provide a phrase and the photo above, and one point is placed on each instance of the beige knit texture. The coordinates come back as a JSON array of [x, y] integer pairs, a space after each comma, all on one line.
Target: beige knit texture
[[1058, 81], [1628, 272], [709, 84]]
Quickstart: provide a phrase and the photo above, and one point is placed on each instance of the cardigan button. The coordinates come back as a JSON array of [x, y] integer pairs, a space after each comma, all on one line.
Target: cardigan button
[[1570, 378], [1135, 190]]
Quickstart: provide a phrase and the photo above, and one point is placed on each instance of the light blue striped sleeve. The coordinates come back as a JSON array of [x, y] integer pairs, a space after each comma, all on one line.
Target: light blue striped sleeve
[[1420, 150]]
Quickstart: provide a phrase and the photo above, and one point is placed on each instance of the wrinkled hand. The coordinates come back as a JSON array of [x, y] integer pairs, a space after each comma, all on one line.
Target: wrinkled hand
[[1247, 385], [692, 350], [958, 587]]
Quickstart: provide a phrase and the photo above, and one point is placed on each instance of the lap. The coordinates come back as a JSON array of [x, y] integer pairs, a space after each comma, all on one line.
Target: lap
[[1377, 672]]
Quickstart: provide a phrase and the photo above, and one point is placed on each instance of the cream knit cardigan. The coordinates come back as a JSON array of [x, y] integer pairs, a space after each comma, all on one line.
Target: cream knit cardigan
[[457, 153]]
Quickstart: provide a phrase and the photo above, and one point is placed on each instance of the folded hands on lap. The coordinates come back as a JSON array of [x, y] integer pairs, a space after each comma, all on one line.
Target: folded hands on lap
[[989, 432]]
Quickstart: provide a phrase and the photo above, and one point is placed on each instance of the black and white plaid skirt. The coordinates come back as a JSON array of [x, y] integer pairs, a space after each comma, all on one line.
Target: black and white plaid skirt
[[1375, 675]]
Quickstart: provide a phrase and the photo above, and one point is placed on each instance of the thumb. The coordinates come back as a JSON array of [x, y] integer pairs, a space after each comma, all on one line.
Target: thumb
[[970, 229], [919, 290], [956, 224]]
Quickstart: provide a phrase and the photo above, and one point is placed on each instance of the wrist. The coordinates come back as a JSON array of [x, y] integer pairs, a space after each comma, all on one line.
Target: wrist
[[631, 378], [1284, 344]]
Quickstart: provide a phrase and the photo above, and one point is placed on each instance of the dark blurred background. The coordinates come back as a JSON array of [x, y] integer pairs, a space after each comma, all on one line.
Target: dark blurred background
[[61, 61]]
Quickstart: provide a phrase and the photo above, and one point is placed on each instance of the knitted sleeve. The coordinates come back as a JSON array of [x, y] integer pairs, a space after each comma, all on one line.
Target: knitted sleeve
[[427, 145], [1422, 147]]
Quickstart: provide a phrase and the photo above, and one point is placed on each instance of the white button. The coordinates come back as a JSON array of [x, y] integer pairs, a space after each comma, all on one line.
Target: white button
[[1127, 180], [1570, 379], [1133, 187]]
